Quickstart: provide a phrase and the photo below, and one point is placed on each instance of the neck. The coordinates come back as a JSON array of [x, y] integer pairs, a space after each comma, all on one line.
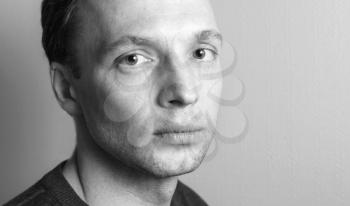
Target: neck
[[101, 179]]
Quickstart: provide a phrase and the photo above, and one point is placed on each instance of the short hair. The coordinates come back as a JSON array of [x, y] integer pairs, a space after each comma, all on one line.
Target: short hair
[[59, 22]]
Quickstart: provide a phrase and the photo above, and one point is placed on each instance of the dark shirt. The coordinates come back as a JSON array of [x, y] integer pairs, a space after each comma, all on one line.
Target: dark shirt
[[54, 190]]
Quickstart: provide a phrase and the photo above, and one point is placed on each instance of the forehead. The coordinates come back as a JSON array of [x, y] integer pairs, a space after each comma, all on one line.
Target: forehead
[[113, 18]]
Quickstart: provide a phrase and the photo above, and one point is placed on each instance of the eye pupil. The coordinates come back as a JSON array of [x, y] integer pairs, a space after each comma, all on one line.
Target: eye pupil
[[132, 59], [199, 53]]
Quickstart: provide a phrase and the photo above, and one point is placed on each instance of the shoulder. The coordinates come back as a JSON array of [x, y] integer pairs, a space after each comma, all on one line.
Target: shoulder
[[35, 195], [51, 190], [185, 196]]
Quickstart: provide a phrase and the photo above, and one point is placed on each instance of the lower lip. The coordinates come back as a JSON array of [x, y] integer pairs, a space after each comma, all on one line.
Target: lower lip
[[182, 138]]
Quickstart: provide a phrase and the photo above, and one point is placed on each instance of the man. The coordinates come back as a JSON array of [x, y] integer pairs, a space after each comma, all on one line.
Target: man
[[132, 74]]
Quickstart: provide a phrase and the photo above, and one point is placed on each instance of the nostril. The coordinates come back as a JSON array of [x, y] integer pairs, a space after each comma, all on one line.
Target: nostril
[[176, 102]]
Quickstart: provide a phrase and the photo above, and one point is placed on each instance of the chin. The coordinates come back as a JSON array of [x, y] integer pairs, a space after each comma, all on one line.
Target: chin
[[175, 163], [166, 172]]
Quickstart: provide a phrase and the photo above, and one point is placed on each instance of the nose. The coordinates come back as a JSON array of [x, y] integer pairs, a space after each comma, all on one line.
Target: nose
[[180, 89]]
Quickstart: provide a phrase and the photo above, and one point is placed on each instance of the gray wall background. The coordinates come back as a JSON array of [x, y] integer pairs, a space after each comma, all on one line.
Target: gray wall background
[[293, 60]]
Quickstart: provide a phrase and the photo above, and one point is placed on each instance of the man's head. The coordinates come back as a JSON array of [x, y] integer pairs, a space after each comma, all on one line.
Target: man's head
[[140, 88]]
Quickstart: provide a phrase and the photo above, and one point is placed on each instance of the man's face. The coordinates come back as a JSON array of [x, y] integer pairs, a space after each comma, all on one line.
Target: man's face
[[143, 89]]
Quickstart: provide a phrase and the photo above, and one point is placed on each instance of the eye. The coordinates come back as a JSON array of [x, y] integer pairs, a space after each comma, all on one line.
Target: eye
[[134, 59], [204, 54]]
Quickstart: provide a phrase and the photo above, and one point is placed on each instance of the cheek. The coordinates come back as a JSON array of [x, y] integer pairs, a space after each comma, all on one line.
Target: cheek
[[140, 129], [131, 108], [211, 98], [127, 95], [122, 106]]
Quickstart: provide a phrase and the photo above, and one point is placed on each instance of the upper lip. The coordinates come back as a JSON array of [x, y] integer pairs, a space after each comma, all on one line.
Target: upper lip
[[175, 128]]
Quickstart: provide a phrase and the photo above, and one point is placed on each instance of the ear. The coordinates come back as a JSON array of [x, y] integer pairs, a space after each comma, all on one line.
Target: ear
[[61, 81]]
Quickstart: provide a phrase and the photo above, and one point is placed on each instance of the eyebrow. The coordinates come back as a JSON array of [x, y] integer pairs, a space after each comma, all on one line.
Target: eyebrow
[[125, 40], [209, 35], [205, 35]]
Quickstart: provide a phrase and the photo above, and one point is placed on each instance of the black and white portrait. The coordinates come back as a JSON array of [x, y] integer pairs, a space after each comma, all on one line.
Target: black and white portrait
[[174, 102]]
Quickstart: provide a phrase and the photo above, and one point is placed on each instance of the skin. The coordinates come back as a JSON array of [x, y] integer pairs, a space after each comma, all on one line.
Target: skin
[[131, 89]]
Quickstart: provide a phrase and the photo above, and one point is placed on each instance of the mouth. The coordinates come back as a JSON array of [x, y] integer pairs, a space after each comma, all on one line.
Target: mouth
[[179, 135]]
